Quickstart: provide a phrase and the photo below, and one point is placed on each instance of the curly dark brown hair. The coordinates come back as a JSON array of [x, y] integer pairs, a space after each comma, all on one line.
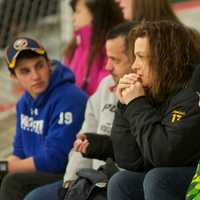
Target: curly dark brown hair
[[173, 52]]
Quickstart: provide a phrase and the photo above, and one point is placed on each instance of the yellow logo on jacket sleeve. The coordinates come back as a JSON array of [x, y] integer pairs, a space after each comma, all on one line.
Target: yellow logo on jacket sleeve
[[177, 116]]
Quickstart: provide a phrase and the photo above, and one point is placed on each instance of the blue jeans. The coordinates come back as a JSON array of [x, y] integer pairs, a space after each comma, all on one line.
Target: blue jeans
[[167, 183], [49, 192]]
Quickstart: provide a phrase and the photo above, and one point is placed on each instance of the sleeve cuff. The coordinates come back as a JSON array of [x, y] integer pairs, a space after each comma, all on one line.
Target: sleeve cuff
[[137, 104]]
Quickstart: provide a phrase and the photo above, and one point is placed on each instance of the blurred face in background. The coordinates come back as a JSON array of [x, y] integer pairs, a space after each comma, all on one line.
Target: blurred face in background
[[82, 16], [127, 8], [118, 63]]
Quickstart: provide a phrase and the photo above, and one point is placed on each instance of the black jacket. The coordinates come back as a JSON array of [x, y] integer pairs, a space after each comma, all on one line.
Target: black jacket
[[144, 137]]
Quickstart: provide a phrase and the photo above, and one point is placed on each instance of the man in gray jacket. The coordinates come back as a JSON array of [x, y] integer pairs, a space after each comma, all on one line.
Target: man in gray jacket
[[99, 112]]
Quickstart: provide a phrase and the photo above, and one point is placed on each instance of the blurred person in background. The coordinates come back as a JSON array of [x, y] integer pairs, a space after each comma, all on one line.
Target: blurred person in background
[[153, 10], [85, 54], [150, 10]]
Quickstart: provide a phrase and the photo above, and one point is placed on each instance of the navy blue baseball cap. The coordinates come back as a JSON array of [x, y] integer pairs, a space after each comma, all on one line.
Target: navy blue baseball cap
[[18, 45]]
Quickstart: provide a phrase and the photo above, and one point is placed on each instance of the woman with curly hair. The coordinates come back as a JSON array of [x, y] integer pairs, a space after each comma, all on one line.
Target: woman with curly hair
[[155, 134]]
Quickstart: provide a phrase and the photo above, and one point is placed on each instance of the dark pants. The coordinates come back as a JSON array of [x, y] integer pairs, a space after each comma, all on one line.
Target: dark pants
[[167, 183], [16, 186]]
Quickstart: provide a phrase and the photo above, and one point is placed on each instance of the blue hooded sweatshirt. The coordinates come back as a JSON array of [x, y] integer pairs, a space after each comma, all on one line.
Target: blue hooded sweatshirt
[[46, 126]]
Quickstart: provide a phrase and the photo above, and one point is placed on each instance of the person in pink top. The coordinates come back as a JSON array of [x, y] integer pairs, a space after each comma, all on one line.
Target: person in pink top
[[85, 54]]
